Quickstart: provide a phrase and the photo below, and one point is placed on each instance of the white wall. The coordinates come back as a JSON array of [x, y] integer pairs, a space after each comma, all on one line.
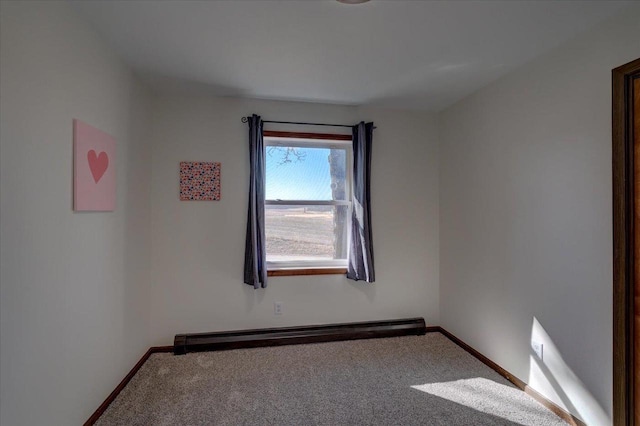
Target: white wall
[[73, 285], [198, 247], [526, 224]]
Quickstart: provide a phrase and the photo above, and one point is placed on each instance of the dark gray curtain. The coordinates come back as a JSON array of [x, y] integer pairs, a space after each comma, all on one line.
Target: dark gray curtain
[[361, 247], [255, 256]]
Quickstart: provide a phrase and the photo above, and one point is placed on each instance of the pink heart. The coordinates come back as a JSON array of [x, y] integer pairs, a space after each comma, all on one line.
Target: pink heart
[[98, 164]]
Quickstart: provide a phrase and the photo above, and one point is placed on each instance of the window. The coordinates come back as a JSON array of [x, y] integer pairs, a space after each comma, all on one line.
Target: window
[[308, 202]]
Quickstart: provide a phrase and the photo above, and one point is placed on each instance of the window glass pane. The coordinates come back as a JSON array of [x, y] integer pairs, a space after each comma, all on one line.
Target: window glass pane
[[295, 173], [306, 232]]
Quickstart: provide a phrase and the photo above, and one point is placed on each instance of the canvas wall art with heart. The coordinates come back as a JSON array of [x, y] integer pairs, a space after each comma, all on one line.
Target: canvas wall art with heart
[[94, 177]]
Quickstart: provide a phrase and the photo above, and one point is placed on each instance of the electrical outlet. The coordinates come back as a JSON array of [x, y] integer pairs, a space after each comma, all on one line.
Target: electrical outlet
[[277, 308], [537, 348]]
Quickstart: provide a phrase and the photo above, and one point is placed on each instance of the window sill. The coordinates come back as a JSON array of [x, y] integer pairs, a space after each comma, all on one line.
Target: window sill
[[306, 271]]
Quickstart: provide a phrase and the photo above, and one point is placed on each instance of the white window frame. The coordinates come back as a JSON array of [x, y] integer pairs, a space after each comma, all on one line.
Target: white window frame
[[296, 142]]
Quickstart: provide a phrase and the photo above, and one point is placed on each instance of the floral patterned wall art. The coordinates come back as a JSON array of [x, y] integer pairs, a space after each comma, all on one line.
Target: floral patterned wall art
[[199, 181]]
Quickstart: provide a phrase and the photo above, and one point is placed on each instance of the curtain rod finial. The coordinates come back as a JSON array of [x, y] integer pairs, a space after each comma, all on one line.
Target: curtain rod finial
[[244, 119]]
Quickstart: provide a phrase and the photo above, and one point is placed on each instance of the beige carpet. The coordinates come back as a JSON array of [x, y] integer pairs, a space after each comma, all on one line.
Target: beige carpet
[[417, 380]]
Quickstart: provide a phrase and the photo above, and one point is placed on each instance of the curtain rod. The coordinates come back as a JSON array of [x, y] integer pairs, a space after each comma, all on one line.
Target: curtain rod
[[245, 120]]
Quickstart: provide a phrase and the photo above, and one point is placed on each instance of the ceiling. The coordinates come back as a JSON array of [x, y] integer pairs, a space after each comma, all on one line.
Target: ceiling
[[421, 55]]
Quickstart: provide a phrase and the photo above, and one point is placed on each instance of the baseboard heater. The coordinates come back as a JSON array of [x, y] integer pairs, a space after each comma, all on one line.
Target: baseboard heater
[[198, 342]]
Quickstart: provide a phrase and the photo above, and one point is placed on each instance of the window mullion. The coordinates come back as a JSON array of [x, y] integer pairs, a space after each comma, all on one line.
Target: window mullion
[[307, 202]]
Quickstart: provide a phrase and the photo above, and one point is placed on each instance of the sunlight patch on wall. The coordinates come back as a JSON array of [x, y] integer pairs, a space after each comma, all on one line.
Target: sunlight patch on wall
[[553, 378]]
